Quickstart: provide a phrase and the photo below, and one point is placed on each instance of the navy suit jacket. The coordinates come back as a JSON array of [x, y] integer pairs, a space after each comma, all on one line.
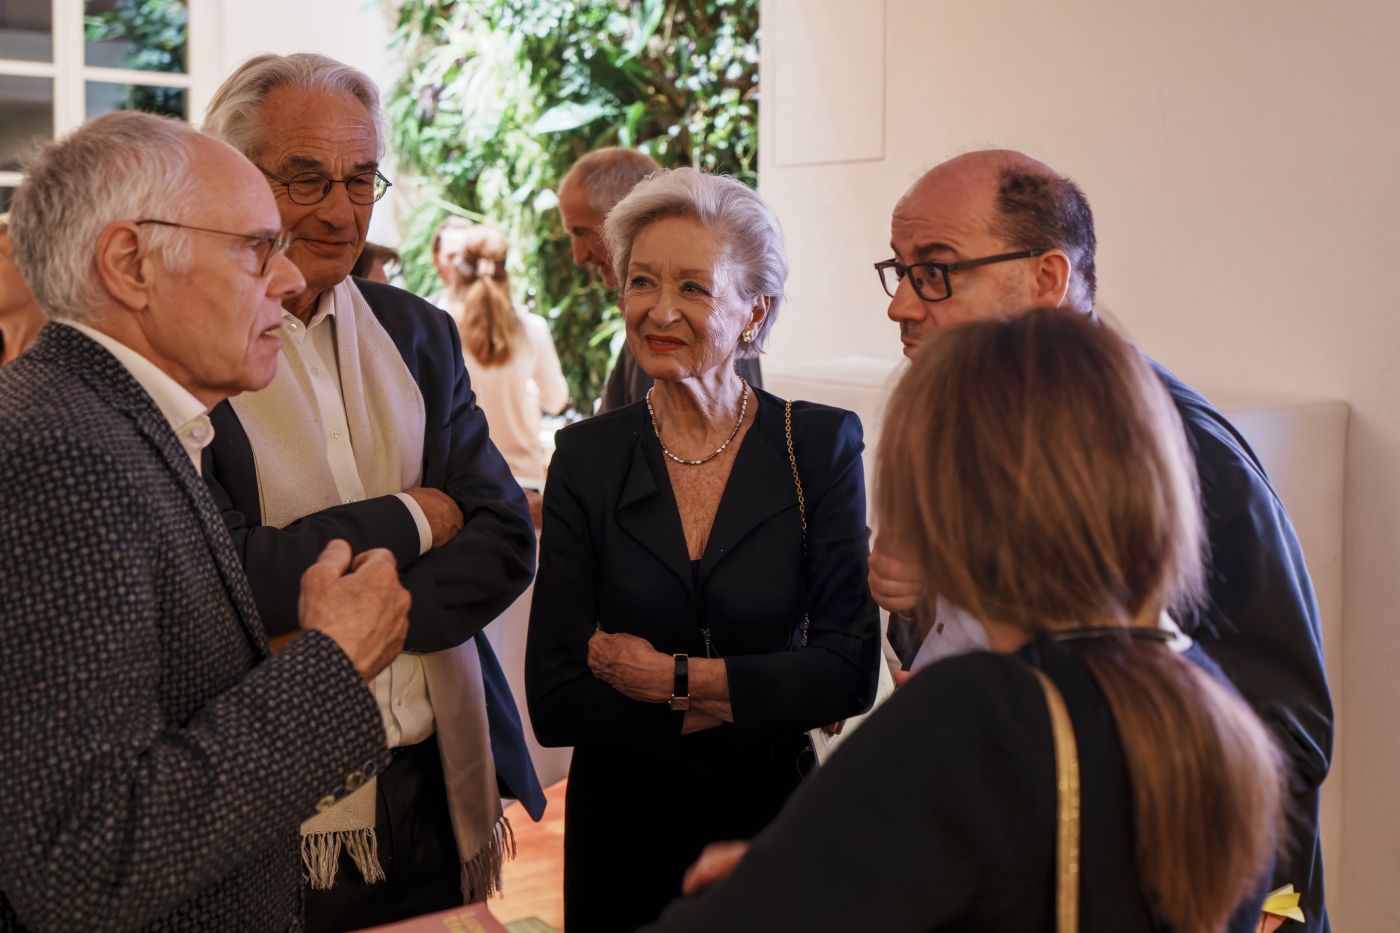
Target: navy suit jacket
[[458, 588], [1262, 625]]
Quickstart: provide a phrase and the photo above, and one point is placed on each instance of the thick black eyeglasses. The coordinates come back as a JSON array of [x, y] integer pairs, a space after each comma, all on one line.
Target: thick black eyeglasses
[[931, 278], [264, 247], [312, 187]]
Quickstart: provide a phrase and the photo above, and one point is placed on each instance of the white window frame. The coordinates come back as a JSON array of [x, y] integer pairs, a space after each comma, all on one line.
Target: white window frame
[[70, 73]]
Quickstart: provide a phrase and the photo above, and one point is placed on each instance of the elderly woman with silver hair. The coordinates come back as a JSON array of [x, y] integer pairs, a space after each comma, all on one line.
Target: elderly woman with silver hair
[[701, 599]]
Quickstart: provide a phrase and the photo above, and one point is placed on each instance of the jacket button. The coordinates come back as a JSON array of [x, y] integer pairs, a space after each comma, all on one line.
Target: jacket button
[[354, 781], [325, 803]]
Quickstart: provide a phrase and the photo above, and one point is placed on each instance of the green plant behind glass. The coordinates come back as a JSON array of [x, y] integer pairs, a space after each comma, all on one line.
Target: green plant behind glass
[[500, 97], [156, 32]]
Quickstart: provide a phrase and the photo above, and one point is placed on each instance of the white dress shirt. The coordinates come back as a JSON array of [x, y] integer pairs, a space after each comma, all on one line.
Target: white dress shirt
[[400, 689], [188, 417]]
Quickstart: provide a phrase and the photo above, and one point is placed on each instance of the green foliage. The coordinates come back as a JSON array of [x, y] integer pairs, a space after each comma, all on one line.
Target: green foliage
[[155, 32], [500, 97]]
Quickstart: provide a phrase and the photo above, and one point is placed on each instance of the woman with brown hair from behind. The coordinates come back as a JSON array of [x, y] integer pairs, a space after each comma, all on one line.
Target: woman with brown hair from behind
[[509, 353], [1037, 470]]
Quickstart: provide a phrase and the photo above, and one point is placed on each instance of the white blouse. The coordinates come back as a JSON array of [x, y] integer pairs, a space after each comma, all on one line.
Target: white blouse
[[515, 395]]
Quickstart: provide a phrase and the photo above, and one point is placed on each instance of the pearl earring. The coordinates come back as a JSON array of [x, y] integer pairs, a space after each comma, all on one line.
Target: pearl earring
[[747, 335]]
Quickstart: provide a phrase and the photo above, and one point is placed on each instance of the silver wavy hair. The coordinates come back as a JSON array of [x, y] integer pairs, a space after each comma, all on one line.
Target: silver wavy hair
[[119, 166], [728, 208], [235, 112]]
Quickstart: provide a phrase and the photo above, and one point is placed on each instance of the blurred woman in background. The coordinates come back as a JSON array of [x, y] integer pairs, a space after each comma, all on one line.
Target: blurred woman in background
[[20, 315], [509, 352], [1038, 472]]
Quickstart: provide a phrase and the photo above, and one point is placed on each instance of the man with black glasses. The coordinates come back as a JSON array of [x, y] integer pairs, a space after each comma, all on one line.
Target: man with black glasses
[[370, 432], [997, 233]]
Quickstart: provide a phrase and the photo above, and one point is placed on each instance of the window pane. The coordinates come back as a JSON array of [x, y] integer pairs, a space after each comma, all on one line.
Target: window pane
[[26, 30], [103, 97], [148, 35], [26, 117]]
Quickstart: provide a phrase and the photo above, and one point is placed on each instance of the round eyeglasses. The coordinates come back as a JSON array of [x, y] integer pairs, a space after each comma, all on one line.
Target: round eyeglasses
[[309, 188], [930, 279]]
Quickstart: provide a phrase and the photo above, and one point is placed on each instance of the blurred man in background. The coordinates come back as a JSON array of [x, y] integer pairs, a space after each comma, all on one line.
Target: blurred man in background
[[594, 186], [20, 315]]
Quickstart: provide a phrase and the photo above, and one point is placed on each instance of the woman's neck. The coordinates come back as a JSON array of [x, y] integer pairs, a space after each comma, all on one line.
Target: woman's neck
[[20, 330], [694, 412]]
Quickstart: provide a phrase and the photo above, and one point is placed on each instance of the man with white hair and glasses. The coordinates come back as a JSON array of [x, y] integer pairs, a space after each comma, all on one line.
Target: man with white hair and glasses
[[157, 760], [370, 432]]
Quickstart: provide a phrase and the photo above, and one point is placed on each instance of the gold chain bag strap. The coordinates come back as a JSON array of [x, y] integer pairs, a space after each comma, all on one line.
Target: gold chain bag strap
[[826, 738], [1067, 797]]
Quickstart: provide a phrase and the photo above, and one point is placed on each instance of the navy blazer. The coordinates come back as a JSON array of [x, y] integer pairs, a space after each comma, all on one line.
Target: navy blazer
[[1262, 625], [613, 553], [458, 588]]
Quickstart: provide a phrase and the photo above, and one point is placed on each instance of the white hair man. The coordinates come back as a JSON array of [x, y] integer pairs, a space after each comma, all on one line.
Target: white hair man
[[157, 760], [593, 186], [370, 431]]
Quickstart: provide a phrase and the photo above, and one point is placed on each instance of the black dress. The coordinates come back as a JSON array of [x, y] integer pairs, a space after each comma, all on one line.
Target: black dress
[[643, 799], [940, 814]]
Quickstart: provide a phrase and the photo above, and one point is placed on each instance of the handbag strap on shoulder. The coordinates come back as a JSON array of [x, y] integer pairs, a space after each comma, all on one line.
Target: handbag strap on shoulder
[[792, 458], [1067, 797]]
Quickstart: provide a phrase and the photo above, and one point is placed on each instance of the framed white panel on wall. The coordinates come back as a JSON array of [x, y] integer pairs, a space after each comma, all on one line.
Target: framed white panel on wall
[[63, 61], [828, 81]]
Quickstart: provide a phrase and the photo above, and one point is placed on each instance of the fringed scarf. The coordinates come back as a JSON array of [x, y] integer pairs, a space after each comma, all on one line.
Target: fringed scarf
[[386, 417]]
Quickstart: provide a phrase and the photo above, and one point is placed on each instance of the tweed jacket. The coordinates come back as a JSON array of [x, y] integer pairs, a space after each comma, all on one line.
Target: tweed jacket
[[157, 762]]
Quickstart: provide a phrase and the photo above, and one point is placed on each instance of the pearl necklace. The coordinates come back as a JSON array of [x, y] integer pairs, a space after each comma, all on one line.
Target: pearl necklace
[[743, 409]]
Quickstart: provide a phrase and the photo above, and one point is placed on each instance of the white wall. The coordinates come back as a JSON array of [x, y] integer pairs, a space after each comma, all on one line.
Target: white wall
[[224, 33], [1243, 160]]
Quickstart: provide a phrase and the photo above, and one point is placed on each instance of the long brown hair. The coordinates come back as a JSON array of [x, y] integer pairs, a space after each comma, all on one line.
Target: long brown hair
[[1038, 471], [481, 286]]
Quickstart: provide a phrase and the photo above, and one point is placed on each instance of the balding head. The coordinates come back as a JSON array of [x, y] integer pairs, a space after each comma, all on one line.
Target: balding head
[[991, 203], [594, 186]]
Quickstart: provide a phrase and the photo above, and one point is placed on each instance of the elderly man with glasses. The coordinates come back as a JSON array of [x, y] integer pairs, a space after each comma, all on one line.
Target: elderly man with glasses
[[990, 234], [157, 760], [370, 432]]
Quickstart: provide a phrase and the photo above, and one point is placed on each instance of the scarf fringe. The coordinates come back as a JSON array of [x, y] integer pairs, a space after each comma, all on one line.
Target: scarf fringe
[[481, 874], [320, 853]]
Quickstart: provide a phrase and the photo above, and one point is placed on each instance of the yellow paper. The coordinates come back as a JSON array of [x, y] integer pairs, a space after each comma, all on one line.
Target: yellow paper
[[1284, 903]]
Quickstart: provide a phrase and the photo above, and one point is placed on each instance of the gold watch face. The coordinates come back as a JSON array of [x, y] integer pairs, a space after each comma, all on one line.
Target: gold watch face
[[680, 702]]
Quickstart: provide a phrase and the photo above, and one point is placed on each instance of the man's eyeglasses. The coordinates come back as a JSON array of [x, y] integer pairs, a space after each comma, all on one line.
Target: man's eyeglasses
[[264, 247], [312, 187], [930, 279]]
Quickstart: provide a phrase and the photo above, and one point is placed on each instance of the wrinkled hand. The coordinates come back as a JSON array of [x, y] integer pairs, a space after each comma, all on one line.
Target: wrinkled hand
[[536, 506], [716, 862], [365, 612], [632, 666], [895, 584], [444, 516]]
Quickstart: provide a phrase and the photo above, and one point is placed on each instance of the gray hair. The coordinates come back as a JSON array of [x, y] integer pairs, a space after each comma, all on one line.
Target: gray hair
[[609, 175], [731, 211], [119, 166], [235, 113]]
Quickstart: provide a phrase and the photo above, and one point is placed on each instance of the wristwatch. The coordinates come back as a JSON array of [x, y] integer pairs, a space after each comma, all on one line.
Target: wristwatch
[[680, 691]]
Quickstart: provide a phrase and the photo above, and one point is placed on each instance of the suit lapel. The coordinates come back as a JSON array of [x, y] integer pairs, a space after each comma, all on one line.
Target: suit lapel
[[119, 389], [760, 486], [647, 511]]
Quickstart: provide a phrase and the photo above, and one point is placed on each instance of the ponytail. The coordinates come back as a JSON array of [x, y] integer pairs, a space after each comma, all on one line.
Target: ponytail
[[1206, 776], [488, 322]]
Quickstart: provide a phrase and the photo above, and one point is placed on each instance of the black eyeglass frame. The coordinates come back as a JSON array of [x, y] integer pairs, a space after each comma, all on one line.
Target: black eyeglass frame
[[276, 244], [326, 190], [943, 268]]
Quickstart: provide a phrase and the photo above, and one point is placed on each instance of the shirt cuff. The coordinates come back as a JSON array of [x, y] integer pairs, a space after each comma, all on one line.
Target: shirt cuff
[[425, 531]]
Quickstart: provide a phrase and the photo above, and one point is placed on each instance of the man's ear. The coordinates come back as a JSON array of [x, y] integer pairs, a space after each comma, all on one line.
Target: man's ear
[[1050, 282], [124, 264]]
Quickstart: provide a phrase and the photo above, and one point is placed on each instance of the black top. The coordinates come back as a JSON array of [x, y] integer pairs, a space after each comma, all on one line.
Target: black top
[[613, 553], [1262, 625], [966, 748]]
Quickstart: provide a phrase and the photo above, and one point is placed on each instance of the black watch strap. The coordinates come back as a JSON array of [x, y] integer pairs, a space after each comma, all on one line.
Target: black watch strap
[[680, 691]]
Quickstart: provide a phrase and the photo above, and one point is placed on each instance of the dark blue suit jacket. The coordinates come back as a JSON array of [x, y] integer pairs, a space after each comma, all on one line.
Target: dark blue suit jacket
[[1262, 624], [458, 588]]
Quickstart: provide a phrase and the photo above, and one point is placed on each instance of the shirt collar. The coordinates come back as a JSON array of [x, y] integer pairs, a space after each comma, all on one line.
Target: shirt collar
[[325, 307], [175, 402]]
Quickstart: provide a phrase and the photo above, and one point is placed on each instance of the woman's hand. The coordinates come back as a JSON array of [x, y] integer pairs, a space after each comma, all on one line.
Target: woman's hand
[[632, 666], [716, 863]]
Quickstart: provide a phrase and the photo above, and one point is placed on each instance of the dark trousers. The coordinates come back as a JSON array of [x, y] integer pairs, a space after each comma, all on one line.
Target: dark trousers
[[416, 849]]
